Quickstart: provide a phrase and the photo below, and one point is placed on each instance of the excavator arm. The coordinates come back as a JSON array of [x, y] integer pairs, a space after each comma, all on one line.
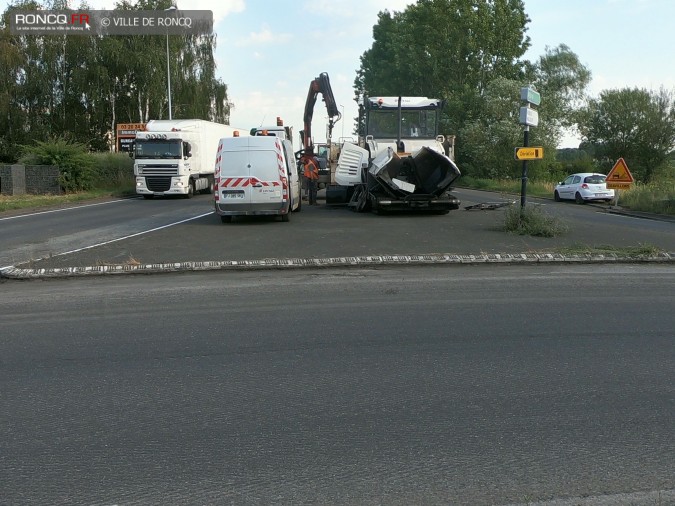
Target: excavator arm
[[319, 85]]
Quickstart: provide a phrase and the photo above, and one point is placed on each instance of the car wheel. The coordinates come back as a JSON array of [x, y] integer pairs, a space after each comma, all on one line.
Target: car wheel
[[556, 196], [578, 199], [226, 219]]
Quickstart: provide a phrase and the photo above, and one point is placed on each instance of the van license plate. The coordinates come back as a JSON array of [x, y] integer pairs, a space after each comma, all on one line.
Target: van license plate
[[233, 194]]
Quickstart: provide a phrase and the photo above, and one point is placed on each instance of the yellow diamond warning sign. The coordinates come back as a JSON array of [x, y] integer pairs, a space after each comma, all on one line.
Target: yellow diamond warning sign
[[619, 178]]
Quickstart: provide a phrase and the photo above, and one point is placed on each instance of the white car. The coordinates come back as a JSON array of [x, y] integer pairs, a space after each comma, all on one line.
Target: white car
[[583, 187]]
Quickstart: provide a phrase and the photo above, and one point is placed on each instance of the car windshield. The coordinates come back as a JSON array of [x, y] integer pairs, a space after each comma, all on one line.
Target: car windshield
[[596, 179]]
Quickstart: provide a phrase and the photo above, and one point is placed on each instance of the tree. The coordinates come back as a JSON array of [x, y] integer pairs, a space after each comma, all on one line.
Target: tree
[[562, 80], [80, 87], [448, 49], [487, 141], [636, 124]]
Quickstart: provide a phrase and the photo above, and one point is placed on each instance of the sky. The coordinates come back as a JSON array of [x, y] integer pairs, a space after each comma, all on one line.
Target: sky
[[269, 51]]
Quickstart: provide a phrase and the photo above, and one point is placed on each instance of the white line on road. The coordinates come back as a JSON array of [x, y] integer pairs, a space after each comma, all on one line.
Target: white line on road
[[65, 209], [118, 239], [132, 235]]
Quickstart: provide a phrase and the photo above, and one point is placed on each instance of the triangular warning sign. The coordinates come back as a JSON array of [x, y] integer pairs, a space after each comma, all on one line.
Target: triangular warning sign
[[620, 173]]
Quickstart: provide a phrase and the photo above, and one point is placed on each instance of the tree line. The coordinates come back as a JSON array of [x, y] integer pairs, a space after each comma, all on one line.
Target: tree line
[[470, 53], [80, 87]]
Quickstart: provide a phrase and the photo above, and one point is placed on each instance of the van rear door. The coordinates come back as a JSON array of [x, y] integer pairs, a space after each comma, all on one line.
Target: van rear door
[[234, 177], [266, 184]]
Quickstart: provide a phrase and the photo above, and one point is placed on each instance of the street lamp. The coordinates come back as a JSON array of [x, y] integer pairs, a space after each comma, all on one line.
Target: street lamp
[[343, 122], [168, 68]]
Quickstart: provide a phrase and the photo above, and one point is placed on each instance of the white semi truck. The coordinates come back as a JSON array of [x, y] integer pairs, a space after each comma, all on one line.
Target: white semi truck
[[177, 157]]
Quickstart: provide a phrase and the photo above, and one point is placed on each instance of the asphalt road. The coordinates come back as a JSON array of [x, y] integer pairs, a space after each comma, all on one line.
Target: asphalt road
[[174, 230], [469, 385]]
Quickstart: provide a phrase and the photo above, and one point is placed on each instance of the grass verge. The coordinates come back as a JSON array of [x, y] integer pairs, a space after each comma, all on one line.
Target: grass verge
[[639, 251], [532, 220], [14, 202]]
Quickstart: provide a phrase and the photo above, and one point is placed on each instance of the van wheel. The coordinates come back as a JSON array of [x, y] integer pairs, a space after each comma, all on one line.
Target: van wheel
[[286, 217], [299, 208], [226, 219]]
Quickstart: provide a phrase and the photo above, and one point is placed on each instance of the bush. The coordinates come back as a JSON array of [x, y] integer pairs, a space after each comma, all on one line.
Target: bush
[[531, 220], [76, 165], [113, 170], [656, 198]]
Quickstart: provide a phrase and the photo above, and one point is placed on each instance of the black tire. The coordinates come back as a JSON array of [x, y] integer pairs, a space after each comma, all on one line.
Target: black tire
[[299, 208], [286, 217], [578, 199], [556, 196], [191, 190], [209, 189], [148, 197], [226, 219], [441, 211]]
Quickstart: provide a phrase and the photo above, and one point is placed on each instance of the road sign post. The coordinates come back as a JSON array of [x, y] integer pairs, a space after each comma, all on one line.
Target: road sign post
[[529, 117]]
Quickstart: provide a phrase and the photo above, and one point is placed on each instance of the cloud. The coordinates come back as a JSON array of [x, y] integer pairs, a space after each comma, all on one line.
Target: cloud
[[220, 9], [263, 37]]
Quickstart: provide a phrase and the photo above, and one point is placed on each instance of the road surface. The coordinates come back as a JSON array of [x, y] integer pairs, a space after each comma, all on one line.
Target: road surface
[[470, 385]]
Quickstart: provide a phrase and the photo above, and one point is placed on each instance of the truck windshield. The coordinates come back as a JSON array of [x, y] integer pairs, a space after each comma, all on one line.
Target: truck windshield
[[383, 124], [147, 148]]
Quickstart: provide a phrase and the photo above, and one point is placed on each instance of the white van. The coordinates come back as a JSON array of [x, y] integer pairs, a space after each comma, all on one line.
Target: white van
[[256, 176]]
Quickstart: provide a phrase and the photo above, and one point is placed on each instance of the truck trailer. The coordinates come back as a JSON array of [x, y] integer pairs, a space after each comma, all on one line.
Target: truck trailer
[[176, 157]]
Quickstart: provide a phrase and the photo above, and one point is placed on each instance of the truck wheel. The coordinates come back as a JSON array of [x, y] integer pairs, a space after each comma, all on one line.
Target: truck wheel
[[209, 189], [148, 197], [191, 190]]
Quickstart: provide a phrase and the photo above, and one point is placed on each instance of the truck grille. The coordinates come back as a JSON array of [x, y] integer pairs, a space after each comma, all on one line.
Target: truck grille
[[159, 170], [158, 183]]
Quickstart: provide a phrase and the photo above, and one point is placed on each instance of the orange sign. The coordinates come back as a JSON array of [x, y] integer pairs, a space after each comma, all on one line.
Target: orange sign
[[619, 178]]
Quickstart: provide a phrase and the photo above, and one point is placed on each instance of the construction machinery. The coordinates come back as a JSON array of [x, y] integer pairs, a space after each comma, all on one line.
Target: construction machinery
[[400, 161]]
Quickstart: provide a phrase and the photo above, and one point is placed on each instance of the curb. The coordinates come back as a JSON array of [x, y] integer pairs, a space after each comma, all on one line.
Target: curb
[[354, 261]]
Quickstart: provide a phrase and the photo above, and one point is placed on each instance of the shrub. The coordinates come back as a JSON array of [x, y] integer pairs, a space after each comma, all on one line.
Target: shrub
[[113, 170], [76, 165], [532, 220], [656, 198]]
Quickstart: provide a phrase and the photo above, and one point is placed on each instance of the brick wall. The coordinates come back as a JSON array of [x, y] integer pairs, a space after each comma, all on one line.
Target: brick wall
[[34, 179]]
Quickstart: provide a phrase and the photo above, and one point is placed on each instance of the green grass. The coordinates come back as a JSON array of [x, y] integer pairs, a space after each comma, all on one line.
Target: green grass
[[534, 188], [14, 202], [532, 220], [639, 251], [657, 198]]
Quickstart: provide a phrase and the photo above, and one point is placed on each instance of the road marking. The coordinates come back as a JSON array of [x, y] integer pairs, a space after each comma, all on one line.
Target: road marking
[[130, 236], [118, 239], [66, 209]]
